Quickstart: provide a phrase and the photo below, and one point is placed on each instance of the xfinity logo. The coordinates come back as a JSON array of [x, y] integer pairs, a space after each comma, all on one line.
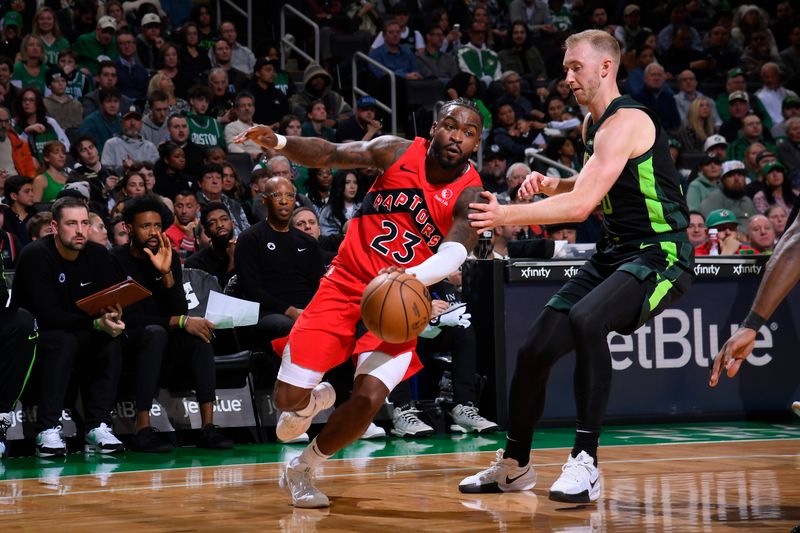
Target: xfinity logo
[[571, 271], [747, 269], [529, 272], [707, 269], [677, 339]]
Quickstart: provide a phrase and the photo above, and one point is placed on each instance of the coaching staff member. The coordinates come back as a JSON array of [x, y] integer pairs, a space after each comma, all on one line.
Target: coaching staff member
[[53, 273], [159, 328]]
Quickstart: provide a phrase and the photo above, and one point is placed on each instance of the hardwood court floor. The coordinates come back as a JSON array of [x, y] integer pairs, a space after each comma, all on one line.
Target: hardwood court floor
[[726, 477]]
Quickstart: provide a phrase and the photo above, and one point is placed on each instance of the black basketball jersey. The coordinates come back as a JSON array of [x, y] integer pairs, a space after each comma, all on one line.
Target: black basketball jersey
[[646, 203]]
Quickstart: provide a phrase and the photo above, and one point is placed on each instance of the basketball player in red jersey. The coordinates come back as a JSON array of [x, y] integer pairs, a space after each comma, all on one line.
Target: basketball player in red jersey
[[414, 217]]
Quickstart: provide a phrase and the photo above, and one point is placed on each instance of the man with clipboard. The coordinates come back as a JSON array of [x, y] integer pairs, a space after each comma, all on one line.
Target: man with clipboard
[[53, 273]]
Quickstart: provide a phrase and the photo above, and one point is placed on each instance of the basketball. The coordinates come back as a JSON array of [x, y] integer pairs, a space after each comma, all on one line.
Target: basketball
[[395, 307]]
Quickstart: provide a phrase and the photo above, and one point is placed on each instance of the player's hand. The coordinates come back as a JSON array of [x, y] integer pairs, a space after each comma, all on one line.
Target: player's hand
[[162, 260], [390, 269], [259, 134], [733, 354], [489, 215], [536, 183], [199, 327]]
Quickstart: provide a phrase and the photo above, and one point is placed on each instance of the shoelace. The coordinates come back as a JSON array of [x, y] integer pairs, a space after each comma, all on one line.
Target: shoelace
[[103, 432], [471, 412], [411, 416], [574, 469], [496, 464], [51, 435]]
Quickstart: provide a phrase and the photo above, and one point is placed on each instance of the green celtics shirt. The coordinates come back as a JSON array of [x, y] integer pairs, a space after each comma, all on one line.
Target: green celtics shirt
[[205, 131]]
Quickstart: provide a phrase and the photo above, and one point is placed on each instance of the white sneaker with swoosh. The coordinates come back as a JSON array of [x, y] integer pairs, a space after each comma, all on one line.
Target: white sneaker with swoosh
[[579, 481], [503, 475]]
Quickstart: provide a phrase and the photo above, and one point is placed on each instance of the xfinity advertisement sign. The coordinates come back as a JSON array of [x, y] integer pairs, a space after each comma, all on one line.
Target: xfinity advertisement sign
[[662, 369]]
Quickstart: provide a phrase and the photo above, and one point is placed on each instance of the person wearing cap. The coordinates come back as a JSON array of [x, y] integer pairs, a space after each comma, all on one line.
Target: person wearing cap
[[363, 126], [317, 84], [731, 195], [104, 123], [271, 103], [107, 78], [790, 107], [121, 150], [149, 41], [242, 58], [493, 173], [715, 145], [752, 131], [736, 82], [725, 222], [776, 189], [15, 153], [773, 93], [132, 77], [93, 47], [67, 111], [12, 34], [706, 182], [204, 129], [631, 26]]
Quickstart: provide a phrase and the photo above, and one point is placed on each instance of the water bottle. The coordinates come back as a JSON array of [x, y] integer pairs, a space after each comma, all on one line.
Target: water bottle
[[713, 239], [484, 248]]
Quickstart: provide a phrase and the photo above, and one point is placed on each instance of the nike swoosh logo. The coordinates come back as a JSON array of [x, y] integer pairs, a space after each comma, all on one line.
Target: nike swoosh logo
[[593, 483], [302, 249], [403, 167], [33, 336], [510, 480], [85, 284]]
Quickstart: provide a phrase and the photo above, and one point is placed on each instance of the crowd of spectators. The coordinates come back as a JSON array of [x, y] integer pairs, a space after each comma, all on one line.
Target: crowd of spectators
[[122, 108]]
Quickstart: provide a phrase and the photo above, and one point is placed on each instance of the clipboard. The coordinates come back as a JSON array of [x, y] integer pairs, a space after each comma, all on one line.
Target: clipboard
[[124, 293]]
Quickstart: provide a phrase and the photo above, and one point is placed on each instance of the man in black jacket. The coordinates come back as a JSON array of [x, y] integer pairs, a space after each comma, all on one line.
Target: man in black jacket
[[158, 326], [18, 334], [217, 259], [53, 273], [278, 266]]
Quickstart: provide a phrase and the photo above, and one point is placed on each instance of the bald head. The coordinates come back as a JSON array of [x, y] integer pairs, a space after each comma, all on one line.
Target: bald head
[[274, 184], [279, 198]]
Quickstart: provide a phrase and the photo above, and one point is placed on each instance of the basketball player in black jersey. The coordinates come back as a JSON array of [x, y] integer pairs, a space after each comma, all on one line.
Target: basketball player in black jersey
[[642, 264]]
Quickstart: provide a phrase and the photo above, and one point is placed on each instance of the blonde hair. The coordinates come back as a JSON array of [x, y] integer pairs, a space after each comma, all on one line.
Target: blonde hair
[[56, 30], [599, 40], [23, 47], [701, 127], [155, 84]]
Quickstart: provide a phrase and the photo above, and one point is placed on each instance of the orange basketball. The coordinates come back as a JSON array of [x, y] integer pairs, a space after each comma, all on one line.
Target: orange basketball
[[396, 307]]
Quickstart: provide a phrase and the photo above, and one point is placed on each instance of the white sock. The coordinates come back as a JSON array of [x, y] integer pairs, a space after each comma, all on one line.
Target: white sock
[[308, 410], [311, 455]]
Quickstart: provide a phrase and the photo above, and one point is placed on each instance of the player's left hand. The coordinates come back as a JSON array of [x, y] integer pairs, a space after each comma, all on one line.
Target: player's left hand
[[489, 215], [162, 260], [733, 354]]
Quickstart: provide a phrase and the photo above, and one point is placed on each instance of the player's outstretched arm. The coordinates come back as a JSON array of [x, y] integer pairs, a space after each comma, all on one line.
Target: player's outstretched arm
[[313, 152], [457, 244], [782, 273]]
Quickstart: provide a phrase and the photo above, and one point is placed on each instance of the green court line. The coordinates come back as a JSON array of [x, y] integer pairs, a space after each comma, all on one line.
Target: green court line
[[189, 457]]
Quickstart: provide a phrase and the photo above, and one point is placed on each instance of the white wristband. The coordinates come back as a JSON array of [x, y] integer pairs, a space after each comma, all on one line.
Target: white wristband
[[281, 141]]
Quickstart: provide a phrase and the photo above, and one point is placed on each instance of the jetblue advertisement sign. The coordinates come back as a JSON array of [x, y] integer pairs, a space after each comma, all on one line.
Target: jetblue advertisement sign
[[662, 369]]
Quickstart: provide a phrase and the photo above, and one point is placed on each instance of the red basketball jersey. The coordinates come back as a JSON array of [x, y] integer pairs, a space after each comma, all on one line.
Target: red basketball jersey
[[403, 218]]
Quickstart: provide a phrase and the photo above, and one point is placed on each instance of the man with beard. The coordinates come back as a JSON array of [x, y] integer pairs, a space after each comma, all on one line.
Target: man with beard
[[217, 259], [278, 265], [178, 128], [181, 232], [731, 195], [123, 150], [493, 173], [160, 330], [643, 263], [415, 217], [53, 273]]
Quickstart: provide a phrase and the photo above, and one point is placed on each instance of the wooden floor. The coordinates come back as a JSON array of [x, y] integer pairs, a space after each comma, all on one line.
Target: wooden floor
[[726, 486]]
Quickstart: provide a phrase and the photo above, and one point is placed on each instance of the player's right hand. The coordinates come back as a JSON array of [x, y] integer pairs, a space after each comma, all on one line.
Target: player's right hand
[[536, 183], [733, 354], [259, 134]]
